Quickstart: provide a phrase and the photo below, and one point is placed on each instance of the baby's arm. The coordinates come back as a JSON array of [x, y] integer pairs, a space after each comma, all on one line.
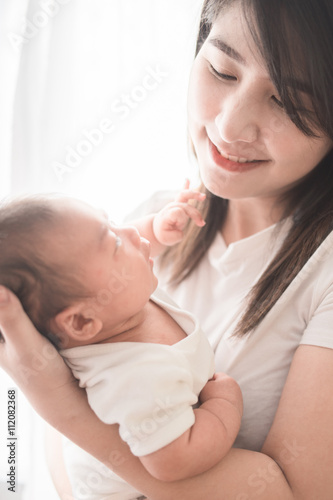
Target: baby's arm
[[165, 228], [216, 426]]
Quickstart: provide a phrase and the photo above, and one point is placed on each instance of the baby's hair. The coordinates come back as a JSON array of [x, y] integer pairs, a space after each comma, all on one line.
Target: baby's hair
[[43, 287]]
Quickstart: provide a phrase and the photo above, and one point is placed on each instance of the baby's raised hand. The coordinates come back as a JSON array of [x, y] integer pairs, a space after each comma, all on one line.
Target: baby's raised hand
[[221, 386], [170, 222]]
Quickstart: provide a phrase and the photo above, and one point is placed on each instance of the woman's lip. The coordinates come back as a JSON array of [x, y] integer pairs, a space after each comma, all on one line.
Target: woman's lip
[[231, 166]]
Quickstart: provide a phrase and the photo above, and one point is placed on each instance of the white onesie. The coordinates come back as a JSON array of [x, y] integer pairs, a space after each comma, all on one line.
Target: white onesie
[[148, 389]]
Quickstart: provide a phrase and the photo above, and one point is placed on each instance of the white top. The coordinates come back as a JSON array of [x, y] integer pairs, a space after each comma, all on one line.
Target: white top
[[260, 361], [147, 388]]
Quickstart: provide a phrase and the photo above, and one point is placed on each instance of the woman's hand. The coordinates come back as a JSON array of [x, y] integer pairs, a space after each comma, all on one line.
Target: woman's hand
[[31, 360], [38, 369], [24, 353], [42, 375]]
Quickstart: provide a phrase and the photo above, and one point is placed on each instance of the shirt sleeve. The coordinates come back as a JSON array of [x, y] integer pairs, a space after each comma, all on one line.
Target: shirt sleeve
[[151, 398], [319, 331]]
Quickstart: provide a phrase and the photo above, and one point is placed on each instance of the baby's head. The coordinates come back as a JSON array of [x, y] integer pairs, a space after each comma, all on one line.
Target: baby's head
[[77, 277], [29, 229]]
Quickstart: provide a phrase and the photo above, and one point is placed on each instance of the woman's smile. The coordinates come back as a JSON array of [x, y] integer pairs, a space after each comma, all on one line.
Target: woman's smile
[[230, 162], [246, 144]]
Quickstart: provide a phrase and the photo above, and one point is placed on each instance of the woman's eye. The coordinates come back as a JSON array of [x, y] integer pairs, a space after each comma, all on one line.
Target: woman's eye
[[277, 101], [223, 76]]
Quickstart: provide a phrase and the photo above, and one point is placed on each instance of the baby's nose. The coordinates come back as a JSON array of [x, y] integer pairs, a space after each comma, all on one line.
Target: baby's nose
[[133, 234]]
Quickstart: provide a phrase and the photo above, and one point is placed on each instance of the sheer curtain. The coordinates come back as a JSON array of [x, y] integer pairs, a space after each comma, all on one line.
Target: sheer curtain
[[93, 104], [98, 97]]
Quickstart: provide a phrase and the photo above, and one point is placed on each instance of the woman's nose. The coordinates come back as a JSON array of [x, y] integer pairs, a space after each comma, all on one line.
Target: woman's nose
[[238, 120]]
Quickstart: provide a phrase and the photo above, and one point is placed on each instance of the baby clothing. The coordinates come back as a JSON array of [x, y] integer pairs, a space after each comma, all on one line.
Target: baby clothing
[[216, 292], [148, 389]]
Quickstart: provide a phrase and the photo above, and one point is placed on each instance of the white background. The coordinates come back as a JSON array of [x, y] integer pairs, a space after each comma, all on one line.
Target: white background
[[65, 72]]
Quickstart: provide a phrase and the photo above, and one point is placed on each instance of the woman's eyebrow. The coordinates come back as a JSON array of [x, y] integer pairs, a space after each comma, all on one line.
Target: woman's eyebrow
[[229, 51]]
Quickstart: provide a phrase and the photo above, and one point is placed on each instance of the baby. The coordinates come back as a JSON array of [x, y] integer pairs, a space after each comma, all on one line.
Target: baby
[[89, 286]]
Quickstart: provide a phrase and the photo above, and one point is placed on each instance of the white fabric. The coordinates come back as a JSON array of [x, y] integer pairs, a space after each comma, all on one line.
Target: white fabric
[[260, 361], [92, 480], [148, 389], [65, 65]]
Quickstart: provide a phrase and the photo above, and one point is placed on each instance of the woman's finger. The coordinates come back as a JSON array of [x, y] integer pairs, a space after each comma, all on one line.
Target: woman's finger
[[24, 353], [16, 328]]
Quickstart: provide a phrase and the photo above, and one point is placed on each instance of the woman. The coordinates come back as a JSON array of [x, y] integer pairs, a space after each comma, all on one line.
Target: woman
[[259, 274]]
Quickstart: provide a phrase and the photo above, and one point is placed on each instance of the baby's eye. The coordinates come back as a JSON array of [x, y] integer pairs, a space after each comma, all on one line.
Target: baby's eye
[[118, 242], [111, 223]]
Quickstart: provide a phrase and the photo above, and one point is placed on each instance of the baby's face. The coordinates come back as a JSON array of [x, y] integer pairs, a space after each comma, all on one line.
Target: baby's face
[[112, 262]]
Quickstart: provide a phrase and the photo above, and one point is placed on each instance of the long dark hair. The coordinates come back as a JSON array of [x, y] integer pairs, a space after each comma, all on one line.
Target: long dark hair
[[274, 25]]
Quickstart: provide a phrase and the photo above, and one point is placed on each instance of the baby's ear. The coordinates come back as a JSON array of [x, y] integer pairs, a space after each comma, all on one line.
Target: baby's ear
[[79, 322]]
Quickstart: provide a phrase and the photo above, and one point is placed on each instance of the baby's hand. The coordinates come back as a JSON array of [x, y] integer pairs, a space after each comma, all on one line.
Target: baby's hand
[[170, 222], [224, 387]]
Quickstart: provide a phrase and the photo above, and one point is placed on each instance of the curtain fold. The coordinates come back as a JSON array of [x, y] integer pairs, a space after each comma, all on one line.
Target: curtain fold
[[11, 16], [119, 65], [30, 96]]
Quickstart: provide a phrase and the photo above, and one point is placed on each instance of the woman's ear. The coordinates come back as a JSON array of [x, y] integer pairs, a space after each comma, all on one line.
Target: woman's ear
[[78, 322]]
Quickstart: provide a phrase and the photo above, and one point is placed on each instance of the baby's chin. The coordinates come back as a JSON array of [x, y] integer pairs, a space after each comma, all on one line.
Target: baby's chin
[[156, 283]]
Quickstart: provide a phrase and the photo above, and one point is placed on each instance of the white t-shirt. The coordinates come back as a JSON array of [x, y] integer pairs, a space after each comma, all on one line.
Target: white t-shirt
[[148, 389], [260, 361]]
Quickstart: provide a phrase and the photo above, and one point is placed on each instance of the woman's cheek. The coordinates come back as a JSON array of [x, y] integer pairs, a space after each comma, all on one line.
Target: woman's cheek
[[202, 96]]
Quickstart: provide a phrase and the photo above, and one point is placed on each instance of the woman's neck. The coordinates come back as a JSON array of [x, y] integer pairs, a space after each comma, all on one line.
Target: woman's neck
[[247, 217]]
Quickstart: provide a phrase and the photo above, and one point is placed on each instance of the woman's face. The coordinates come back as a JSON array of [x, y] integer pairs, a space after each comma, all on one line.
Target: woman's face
[[247, 147]]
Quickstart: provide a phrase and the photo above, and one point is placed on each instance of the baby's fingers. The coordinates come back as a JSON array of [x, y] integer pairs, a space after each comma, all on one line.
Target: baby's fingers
[[194, 214], [177, 217], [188, 194]]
